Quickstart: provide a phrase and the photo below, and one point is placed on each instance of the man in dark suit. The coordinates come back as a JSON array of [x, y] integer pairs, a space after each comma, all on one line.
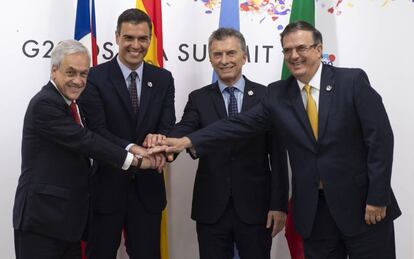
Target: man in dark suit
[[237, 197], [52, 197], [340, 146], [125, 99]]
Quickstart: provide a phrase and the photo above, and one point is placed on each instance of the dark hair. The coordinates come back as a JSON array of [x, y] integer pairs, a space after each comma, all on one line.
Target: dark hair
[[134, 16], [302, 26], [223, 33]]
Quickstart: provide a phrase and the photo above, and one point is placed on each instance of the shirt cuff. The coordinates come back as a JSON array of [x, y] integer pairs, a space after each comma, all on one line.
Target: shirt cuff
[[129, 146], [128, 161]]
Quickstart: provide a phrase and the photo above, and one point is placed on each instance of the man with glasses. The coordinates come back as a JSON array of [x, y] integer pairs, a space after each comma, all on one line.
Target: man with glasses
[[340, 146]]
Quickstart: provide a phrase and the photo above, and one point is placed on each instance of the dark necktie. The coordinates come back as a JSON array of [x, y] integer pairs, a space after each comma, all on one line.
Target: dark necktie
[[133, 92], [232, 109], [75, 113]]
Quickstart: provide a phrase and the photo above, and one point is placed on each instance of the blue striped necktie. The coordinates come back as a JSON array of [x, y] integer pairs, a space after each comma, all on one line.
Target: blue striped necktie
[[232, 109]]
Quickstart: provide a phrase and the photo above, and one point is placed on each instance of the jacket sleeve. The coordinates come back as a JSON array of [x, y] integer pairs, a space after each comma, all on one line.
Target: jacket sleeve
[[378, 139]]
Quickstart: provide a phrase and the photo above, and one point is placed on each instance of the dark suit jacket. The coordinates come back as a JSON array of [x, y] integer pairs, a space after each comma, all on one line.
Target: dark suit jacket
[[353, 154], [237, 169], [52, 196], [108, 112]]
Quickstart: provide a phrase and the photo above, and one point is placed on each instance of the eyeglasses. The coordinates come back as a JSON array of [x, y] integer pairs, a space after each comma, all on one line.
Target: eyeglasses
[[301, 49]]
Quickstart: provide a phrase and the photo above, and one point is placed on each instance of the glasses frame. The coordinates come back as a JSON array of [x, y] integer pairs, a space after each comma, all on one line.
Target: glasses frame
[[301, 49]]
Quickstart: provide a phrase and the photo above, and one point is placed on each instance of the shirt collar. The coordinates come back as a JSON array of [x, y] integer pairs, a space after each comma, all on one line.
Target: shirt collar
[[239, 85], [315, 82], [67, 101], [126, 71]]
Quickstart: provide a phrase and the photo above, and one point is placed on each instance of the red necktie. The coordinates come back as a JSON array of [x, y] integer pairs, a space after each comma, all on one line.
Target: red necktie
[[75, 114]]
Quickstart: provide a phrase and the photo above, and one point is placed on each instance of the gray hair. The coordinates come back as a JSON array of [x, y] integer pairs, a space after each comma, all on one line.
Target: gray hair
[[64, 48], [224, 33]]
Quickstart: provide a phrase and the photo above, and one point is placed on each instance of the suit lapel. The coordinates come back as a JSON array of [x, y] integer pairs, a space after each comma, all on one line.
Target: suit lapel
[[249, 95], [118, 81], [56, 94], [299, 108], [326, 93], [148, 87], [217, 100], [53, 92]]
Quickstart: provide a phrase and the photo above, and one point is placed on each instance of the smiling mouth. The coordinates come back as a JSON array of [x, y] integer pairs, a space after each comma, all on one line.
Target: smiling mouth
[[78, 87], [296, 64], [226, 68], [135, 53]]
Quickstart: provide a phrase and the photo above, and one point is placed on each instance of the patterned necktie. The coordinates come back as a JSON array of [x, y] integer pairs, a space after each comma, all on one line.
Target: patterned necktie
[[232, 109], [133, 92], [75, 113], [311, 111]]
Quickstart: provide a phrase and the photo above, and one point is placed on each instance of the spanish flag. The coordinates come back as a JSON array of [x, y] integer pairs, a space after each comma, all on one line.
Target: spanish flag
[[153, 9], [155, 56]]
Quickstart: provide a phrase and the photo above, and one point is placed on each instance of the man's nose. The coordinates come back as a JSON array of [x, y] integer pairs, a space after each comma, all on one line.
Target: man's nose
[[224, 59], [79, 79], [136, 44], [294, 53]]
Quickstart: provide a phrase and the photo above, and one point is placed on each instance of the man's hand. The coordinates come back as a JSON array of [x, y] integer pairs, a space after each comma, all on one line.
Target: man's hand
[[374, 214], [176, 145], [150, 161], [137, 150], [170, 146], [156, 161], [276, 220], [152, 140]]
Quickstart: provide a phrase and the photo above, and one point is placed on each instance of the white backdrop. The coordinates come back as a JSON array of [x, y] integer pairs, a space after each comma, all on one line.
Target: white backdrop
[[376, 35]]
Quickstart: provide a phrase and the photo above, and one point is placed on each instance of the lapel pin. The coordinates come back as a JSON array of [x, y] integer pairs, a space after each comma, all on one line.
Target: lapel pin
[[149, 84], [328, 88], [250, 93]]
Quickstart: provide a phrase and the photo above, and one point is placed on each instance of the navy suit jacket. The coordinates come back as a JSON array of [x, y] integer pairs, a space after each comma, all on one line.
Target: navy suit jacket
[[52, 196], [353, 155], [108, 112], [234, 169]]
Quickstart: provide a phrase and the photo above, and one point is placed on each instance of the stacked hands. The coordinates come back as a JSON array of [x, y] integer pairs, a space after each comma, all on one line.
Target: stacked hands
[[143, 160], [156, 150], [160, 144]]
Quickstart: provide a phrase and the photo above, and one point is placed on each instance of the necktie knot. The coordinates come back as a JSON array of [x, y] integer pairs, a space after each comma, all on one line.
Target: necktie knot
[[308, 89], [133, 76], [230, 90]]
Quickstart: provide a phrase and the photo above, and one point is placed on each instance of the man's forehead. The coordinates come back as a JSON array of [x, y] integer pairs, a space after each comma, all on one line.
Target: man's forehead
[[229, 42], [298, 36], [74, 64], [128, 25]]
